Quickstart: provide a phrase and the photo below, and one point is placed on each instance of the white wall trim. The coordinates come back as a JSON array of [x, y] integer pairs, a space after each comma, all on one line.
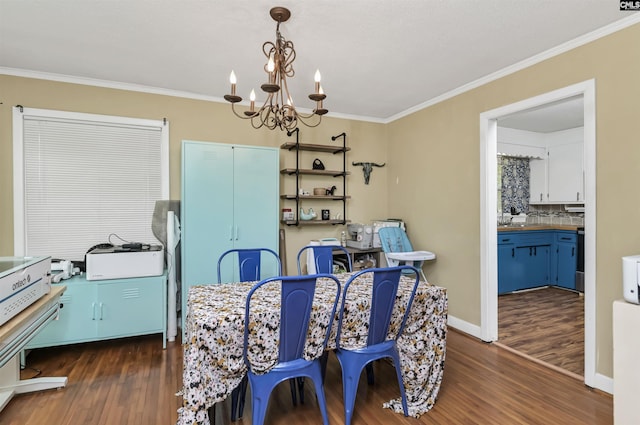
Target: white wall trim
[[488, 234], [603, 383], [463, 326], [154, 90]]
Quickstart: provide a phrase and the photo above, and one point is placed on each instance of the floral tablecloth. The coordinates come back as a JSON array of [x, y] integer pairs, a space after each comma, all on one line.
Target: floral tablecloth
[[213, 364]]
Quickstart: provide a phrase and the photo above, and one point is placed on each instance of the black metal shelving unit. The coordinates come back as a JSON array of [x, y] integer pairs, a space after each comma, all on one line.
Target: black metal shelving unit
[[297, 171]]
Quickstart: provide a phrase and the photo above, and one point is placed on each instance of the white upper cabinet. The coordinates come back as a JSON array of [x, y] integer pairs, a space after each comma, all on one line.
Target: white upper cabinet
[[565, 171], [564, 168], [556, 164], [538, 180]]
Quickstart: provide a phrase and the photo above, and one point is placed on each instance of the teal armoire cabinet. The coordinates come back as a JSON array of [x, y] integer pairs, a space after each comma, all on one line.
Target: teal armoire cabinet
[[230, 199]]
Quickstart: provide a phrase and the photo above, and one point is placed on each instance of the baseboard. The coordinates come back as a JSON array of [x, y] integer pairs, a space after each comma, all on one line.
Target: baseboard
[[464, 326], [603, 383]]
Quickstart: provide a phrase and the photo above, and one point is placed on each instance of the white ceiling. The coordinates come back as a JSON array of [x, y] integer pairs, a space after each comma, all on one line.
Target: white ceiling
[[379, 58], [552, 117]]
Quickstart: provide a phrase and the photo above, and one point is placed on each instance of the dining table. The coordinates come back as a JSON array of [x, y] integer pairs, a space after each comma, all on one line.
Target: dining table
[[213, 363]]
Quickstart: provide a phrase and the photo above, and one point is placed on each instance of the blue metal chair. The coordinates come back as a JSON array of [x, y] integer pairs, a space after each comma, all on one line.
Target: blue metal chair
[[323, 261], [398, 250], [249, 261], [323, 257], [385, 283], [296, 301]]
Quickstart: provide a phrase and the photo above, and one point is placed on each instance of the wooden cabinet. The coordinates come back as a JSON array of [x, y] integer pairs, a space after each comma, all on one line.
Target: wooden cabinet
[[104, 309], [229, 200], [299, 172]]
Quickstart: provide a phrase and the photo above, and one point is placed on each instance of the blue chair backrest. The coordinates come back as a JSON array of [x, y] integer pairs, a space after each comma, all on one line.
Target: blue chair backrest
[[249, 262], [394, 239], [296, 301], [386, 282], [323, 257]]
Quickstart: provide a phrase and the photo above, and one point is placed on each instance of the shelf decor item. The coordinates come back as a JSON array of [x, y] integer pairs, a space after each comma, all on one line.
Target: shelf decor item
[[278, 110], [308, 216], [317, 164]]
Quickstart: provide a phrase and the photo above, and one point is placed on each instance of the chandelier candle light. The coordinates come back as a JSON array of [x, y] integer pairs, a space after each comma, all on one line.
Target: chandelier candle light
[[278, 110]]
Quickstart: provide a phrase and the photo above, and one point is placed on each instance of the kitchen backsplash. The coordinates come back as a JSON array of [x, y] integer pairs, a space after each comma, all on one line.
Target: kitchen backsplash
[[553, 214]]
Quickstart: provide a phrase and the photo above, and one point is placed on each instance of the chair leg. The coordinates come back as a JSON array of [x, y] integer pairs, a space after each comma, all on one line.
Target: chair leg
[[324, 359], [243, 396], [300, 382], [260, 400], [350, 380], [322, 402], [292, 385], [403, 396], [212, 414], [370, 378], [235, 394]]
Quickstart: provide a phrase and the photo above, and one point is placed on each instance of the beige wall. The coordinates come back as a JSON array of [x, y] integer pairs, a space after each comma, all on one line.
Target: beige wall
[[432, 177], [435, 154], [205, 121]]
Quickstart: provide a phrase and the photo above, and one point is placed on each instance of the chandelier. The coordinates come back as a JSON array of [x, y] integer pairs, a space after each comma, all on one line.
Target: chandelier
[[278, 110]]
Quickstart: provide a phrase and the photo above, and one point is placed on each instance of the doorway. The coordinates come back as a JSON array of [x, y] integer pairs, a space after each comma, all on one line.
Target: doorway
[[542, 320], [488, 167]]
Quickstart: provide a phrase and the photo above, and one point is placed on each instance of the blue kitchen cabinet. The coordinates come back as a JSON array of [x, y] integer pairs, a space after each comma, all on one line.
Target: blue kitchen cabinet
[[566, 259], [523, 260], [229, 200], [531, 259], [105, 309], [509, 268], [537, 266]]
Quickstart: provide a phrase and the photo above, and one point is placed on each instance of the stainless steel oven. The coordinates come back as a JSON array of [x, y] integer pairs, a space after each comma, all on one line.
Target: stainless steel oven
[[580, 261]]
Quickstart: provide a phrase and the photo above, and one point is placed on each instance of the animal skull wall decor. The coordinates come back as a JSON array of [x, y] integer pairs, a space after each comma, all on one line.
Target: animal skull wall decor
[[367, 167]]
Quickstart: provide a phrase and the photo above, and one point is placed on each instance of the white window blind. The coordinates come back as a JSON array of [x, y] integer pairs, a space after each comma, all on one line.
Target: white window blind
[[85, 177]]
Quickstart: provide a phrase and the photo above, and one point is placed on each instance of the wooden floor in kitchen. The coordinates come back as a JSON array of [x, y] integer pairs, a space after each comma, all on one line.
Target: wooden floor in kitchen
[[546, 324]]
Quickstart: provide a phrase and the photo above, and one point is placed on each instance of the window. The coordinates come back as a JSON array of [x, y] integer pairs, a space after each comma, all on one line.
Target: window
[[79, 178]]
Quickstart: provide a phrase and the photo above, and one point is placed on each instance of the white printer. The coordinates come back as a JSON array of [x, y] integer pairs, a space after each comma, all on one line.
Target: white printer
[[119, 262], [631, 278], [23, 280]]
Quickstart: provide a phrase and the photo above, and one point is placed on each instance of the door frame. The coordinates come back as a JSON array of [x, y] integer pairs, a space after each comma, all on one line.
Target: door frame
[[488, 214]]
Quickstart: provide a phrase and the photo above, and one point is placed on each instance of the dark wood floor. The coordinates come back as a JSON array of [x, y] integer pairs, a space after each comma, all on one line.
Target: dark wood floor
[[134, 381], [546, 324]]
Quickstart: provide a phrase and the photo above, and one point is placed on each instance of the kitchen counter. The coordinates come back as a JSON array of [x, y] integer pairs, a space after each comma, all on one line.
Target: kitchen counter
[[521, 227]]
